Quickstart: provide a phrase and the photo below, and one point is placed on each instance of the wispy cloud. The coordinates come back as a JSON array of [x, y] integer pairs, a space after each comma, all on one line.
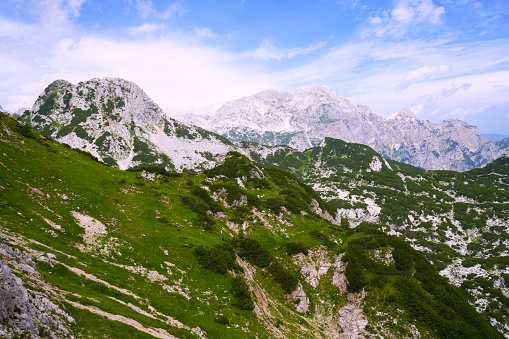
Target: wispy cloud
[[464, 112], [145, 9], [406, 15], [268, 51], [204, 32], [146, 29], [438, 95], [53, 18], [422, 73]]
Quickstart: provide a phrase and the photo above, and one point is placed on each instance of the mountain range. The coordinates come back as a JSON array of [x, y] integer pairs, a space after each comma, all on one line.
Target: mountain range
[[333, 241], [117, 122], [302, 118]]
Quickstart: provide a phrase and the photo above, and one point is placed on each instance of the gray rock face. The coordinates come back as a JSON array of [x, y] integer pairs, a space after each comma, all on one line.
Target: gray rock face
[[304, 117], [24, 311], [117, 122]]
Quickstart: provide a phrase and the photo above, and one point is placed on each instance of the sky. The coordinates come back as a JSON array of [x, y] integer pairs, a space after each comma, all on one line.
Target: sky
[[442, 58]]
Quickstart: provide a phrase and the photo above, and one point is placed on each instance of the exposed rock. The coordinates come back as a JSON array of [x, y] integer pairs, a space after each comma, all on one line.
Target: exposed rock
[[302, 118], [313, 265], [339, 278], [352, 319], [118, 123], [300, 295], [24, 311]]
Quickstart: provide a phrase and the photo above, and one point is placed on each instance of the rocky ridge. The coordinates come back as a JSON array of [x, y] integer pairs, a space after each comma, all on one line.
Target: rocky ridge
[[302, 118], [114, 120]]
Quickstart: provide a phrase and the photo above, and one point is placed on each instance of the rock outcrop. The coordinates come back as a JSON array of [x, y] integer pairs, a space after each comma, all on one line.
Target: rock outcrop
[[25, 311]]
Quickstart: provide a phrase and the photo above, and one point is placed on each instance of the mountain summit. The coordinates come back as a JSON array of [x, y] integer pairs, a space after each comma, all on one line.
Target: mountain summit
[[117, 122], [302, 118]]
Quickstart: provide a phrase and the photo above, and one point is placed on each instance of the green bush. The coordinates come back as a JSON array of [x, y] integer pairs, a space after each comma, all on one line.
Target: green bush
[[222, 319], [202, 194], [252, 251], [218, 259], [402, 259], [196, 205], [293, 248], [242, 295], [274, 204], [286, 279]]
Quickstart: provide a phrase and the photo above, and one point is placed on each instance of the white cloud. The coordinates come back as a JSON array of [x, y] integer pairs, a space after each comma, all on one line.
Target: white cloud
[[406, 15], [173, 8], [172, 71], [16, 30], [268, 51], [146, 9], [463, 112], [422, 73], [52, 19], [204, 32], [441, 94], [146, 29]]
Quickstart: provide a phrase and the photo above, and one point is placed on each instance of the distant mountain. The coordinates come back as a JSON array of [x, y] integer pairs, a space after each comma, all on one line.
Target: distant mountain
[[118, 123], [495, 137], [302, 118]]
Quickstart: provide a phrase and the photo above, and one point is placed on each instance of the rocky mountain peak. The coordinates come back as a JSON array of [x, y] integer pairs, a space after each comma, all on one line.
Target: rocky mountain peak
[[116, 121], [405, 114], [113, 98]]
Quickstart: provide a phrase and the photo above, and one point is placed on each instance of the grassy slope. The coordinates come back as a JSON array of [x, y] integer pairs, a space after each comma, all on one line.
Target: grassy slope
[[458, 219], [151, 229]]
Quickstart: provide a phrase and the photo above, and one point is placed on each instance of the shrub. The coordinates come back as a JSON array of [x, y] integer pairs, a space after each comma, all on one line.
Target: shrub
[[204, 196], [402, 259], [286, 279], [274, 204], [197, 206], [218, 259], [323, 238], [252, 251], [242, 295], [293, 248], [222, 319]]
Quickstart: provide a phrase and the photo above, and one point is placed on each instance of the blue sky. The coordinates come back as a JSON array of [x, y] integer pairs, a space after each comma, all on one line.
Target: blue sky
[[442, 58]]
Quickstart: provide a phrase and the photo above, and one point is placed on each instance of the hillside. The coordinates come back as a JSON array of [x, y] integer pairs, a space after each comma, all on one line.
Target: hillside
[[239, 251], [458, 220], [118, 123], [302, 118]]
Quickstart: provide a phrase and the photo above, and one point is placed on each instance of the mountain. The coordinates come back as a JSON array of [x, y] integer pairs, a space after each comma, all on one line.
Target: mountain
[[302, 118], [117, 122], [238, 251], [457, 220]]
